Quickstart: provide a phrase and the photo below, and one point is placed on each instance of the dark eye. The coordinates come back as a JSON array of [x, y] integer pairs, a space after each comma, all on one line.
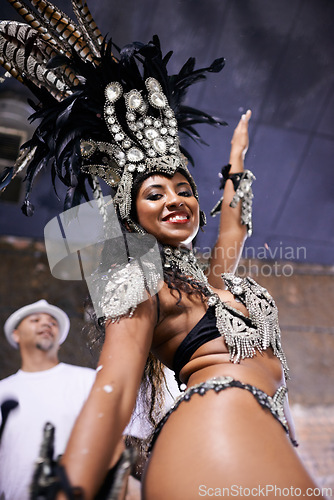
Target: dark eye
[[185, 193], [154, 196]]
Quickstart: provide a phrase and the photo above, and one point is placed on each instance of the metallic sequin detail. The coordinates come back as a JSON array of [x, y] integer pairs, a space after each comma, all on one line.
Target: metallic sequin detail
[[154, 149], [243, 341], [275, 403]]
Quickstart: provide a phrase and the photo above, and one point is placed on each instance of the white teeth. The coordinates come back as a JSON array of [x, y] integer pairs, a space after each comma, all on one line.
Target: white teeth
[[179, 217]]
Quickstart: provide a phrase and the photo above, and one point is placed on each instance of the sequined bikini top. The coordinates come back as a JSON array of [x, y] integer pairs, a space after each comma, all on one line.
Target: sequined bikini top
[[206, 330], [244, 336]]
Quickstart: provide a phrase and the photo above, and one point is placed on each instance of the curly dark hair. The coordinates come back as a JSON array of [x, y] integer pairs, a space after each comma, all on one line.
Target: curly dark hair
[[151, 393], [153, 376]]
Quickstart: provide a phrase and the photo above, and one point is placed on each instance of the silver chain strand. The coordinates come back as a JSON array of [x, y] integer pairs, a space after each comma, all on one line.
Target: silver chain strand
[[98, 196], [245, 194]]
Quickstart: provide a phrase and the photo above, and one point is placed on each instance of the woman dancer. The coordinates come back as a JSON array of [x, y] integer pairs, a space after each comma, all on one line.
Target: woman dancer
[[232, 428], [230, 432]]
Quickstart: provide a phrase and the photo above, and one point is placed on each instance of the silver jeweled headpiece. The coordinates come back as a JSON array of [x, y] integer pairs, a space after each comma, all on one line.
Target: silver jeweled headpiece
[[152, 147]]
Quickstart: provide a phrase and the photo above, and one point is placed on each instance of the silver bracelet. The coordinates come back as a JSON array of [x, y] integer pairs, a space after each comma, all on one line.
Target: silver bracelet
[[242, 183]]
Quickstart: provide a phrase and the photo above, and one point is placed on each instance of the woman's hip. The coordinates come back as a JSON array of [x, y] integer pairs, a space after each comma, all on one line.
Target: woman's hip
[[220, 438]]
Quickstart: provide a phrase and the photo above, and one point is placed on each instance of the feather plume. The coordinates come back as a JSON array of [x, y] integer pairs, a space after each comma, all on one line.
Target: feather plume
[[63, 28], [67, 66], [88, 26], [6, 177], [21, 48], [36, 21]]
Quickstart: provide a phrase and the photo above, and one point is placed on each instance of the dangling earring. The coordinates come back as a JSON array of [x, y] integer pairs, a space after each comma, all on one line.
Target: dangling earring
[[202, 219], [134, 227]]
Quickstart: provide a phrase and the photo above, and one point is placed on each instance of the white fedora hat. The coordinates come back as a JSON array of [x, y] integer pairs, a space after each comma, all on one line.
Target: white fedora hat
[[41, 306]]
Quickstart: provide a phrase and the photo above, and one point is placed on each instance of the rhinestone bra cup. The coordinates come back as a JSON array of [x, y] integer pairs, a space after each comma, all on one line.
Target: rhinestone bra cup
[[120, 293], [242, 340]]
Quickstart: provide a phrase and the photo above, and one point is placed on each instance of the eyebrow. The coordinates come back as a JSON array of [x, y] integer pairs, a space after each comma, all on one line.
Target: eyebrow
[[182, 183]]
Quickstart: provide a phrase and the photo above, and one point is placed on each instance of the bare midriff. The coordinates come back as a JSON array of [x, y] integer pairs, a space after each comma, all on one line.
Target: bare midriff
[[263, 370], [212, 359]]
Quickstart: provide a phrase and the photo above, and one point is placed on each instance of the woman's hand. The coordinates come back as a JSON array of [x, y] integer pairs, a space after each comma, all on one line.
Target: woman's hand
[[239, 142]]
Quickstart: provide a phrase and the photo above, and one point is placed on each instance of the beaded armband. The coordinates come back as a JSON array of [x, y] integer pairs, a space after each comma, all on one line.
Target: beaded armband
[[117, 293], [242, 183]]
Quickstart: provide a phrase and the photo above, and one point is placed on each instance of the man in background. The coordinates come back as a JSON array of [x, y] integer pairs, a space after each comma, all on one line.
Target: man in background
[[43, 390], [46, 390]]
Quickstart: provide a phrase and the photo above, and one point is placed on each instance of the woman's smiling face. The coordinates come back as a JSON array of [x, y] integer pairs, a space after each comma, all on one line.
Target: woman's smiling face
[[167, 209]]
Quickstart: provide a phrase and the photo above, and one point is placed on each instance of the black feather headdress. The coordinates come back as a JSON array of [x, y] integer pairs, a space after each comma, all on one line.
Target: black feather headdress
[[78, 81]]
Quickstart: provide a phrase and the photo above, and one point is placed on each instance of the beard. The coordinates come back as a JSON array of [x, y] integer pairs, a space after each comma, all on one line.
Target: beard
[[45, 345]]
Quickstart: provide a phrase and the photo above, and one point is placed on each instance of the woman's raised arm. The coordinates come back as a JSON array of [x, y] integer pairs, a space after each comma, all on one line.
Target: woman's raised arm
[[231, 233], [98, 430]]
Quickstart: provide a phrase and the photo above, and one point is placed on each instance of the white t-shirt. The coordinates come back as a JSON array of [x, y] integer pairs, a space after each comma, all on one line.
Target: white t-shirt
[[140, 425], [55, 395]]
